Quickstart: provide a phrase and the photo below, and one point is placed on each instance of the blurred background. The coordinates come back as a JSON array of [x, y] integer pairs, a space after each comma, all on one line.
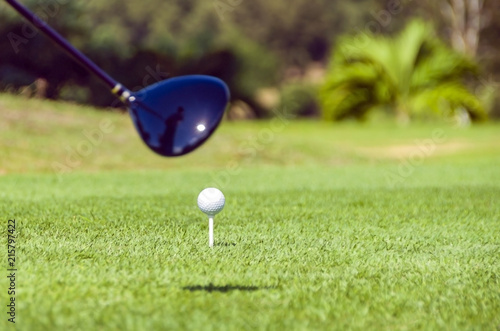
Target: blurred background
[[335, 60]]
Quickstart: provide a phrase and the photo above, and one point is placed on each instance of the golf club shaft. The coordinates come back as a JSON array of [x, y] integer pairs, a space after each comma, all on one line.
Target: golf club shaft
[[115, 87]]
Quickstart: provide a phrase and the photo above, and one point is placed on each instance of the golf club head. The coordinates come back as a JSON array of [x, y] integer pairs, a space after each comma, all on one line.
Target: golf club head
[[177, 115]]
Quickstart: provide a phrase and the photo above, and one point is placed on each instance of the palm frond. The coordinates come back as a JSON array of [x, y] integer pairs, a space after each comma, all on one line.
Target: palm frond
[[414, 72]]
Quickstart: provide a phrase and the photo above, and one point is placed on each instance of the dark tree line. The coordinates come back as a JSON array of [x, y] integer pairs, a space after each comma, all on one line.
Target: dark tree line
[[249, 44]]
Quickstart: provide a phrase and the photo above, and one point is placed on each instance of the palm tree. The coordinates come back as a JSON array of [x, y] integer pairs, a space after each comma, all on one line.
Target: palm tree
[[412, 74]]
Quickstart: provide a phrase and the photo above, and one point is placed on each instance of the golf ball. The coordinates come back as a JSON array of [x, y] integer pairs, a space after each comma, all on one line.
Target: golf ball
[[211, 201]]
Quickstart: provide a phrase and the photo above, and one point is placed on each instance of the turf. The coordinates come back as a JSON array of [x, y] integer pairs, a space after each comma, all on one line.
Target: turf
[[325, 227]]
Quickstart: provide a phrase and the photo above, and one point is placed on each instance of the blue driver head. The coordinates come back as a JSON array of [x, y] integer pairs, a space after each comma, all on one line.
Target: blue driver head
[[176, 116]]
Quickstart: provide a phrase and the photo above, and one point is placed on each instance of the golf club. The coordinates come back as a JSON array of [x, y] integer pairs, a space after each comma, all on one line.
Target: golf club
[[173, 117]]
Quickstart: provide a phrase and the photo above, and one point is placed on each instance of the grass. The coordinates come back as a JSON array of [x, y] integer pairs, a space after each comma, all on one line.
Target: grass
[[325, 227]]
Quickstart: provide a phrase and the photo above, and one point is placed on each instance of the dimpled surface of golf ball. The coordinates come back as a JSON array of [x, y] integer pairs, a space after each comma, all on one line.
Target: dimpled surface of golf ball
[[211, 201]]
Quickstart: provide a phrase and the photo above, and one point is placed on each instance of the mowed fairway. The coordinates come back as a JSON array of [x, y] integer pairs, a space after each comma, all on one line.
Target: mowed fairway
[[326, 227]]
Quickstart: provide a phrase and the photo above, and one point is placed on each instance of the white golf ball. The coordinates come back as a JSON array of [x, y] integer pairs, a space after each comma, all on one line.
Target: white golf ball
[[211, 201]]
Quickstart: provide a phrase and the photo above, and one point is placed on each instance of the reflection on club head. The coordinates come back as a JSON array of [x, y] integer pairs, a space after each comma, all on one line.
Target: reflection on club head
[[177, 115]]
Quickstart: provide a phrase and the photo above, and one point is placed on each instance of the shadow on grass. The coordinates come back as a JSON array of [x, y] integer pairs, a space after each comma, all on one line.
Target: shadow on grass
[[225, 288], [223, 244]]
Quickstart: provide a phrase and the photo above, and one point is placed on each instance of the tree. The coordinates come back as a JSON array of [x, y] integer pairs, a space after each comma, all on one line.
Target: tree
[[152, 39], [411, 75], [299, 31], [464, 20]]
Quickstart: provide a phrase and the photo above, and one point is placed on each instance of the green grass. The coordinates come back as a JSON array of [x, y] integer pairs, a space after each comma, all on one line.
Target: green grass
[[316, 233]]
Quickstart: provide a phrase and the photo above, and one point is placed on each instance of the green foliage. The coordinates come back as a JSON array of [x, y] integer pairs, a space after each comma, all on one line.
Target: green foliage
[[413, 74], [299, 99], [488, 92], [298, 31], [184, 29], [180, 37], [247, 44], [255, 66]]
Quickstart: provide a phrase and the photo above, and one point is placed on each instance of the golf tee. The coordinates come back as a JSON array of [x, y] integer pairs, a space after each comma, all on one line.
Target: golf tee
[[211, 232]]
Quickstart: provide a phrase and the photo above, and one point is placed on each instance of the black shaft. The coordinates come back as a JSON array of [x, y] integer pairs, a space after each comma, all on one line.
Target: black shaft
[[65, 45]]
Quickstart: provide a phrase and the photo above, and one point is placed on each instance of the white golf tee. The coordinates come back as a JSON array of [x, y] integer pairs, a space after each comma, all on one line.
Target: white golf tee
[[210, 231]]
